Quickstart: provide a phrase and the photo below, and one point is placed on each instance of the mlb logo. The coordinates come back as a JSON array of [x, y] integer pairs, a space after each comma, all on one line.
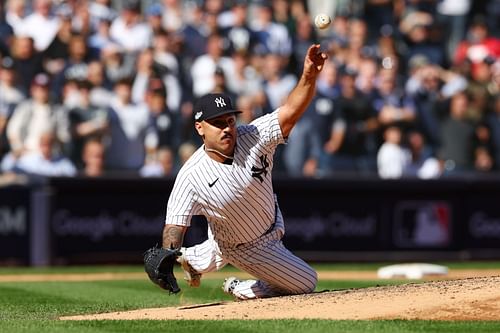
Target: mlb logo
[[422, 224]]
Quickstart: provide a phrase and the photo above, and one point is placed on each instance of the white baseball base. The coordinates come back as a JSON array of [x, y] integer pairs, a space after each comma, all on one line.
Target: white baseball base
[[412, 271]]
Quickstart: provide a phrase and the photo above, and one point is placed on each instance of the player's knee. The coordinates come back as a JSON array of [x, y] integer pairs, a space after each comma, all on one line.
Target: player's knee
[[311, 284], [307, 285]]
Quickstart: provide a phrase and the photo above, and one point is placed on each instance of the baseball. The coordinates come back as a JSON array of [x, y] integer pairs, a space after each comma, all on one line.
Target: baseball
[[322, 21]]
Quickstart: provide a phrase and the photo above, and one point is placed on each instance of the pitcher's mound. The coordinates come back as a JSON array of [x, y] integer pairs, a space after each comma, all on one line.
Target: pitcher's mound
[[464, 299]]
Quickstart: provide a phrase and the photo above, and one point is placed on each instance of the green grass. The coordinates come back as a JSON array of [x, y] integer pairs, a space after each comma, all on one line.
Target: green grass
[[257, 326], [35, 306], [376, 265], [70, 269], [319, 266]]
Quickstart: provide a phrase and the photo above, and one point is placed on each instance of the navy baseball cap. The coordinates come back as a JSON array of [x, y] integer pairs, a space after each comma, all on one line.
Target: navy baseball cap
[[213, 105]]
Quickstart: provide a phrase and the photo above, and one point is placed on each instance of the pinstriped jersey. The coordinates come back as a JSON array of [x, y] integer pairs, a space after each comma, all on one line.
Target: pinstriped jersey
[[237, 199]]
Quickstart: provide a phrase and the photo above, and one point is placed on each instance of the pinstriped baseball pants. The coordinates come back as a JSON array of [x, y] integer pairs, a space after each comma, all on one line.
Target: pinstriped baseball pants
[[277, 270]]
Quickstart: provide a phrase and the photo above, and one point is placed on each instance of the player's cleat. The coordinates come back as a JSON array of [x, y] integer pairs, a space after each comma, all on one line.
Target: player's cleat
[[192, 277], [229, 284]]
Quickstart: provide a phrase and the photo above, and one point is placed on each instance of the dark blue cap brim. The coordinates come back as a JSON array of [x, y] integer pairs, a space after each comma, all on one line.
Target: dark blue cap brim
[[218, 115]]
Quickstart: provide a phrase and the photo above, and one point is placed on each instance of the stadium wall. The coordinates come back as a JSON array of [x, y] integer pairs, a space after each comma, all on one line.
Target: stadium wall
[[113, 220]]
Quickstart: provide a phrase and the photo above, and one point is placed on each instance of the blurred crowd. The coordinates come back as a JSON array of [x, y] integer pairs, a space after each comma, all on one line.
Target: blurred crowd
[[100, 87]]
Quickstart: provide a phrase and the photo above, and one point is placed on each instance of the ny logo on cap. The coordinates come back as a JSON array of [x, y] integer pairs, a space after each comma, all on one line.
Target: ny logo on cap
[[220, 102]]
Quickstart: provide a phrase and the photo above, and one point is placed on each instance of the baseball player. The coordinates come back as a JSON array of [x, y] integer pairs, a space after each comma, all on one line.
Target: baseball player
[[228, 180]]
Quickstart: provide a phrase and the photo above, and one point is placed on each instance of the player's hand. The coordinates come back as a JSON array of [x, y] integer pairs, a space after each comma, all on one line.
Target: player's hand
[[314, 61]]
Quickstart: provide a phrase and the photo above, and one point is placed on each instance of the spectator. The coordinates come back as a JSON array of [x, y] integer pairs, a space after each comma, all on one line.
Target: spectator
[[4, 143], [164, 122], [277, 82], [422, 164], [453, 14], [81, 20], [163, 52], [186, 149], [211, 24], [161, 164], [221, 85], [215, 7], [10, 97], [193, 36], [100, 95], [248, 108], [493, 123], [129, 125], [117, 63], [430, 86], [246, 80], [367, 77], [93, 158], [392, 106], [27, 61], [237, 32], [34, 117], [482, 89], [478, 46], [42, 25], [274, 37], [297, 9], [75, 66], [6, 32], [301, 39], [492, 14], [173, 15], [389, 44], [392, 158], [8, 163], [47, 160], [101, 38], [479, 100], [301, 156], [416, 27], [356, 42], [352, 145], [386, 47], [416, 64], [483, 161], [101, 10], [86, 121], [327, 91], [58, 49], [154, 17], [203, 69], [130, 32], [338, 34], [457, 133], [328, 85], [10, 94], [282, 14], [379, 14], [15, 11], [146, 69]]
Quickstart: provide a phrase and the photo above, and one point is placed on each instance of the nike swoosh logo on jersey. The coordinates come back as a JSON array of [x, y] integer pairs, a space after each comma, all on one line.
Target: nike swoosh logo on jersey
[[212, 184]]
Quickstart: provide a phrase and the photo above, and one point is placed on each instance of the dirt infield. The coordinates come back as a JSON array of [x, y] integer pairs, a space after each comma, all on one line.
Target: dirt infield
[[475, 298]]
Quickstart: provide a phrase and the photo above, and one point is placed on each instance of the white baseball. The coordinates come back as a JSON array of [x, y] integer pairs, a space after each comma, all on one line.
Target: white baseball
[[322, 21]]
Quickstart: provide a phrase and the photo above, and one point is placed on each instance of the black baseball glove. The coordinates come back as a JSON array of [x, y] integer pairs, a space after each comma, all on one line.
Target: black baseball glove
[[159, 264]]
